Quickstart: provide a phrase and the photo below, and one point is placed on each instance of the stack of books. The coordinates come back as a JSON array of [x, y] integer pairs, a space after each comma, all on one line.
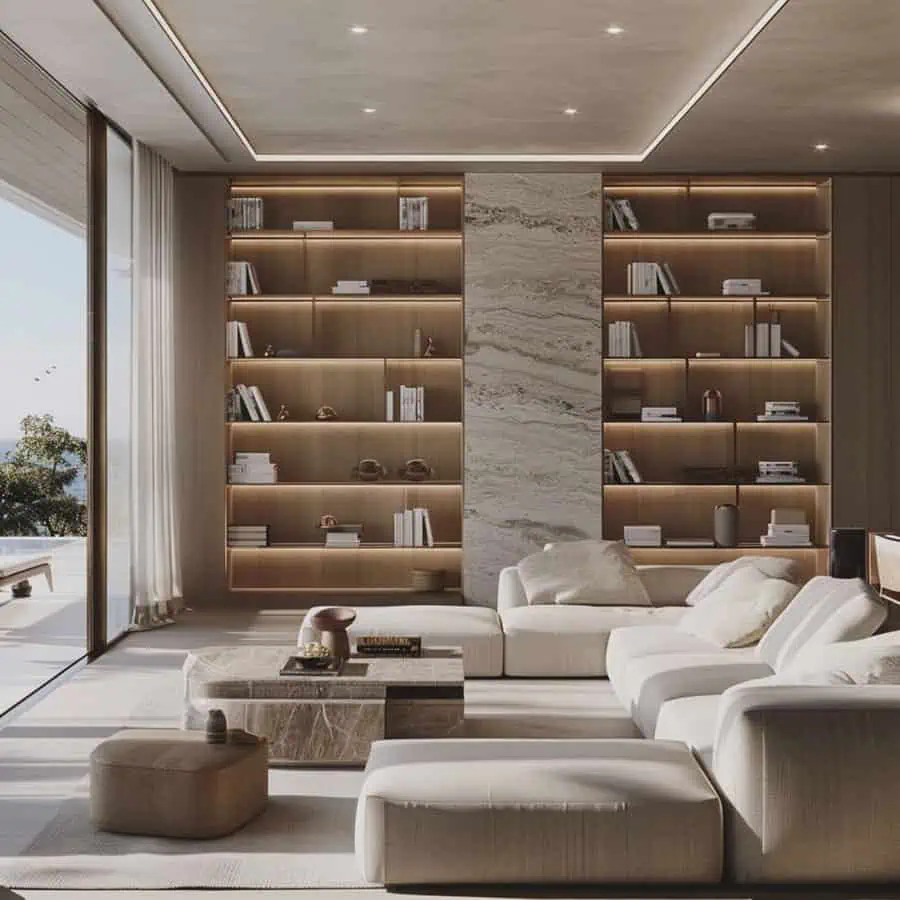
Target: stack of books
[[643, 535], [787, 528], [241, 278], [619, 468], [650, 278], [779, 472], [413, 213], [352, 287], [248, 404], [248, 535], [245, 214], [782, 411], [313, 225], [689, 543], [407, 404], [764, 340], [343, 536], [660, 414], [412, 528], [252, 468], [620, 215], [622, 340], [237, 340]]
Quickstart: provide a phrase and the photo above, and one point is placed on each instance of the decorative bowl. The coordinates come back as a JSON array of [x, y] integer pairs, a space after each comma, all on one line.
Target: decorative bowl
[[334, 618]]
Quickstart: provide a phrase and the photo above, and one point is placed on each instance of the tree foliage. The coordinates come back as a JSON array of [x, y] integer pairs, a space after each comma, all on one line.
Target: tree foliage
[[33, 481]]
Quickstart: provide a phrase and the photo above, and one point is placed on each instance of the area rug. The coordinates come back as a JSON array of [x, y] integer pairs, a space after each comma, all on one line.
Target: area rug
[[304, 839]]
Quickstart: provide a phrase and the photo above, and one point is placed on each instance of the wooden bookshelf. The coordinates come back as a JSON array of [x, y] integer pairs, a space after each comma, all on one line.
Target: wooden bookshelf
[[688, 468], [352, 349]]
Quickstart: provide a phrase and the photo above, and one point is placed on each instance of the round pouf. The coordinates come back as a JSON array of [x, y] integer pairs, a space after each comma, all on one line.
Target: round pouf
[[171, 783]]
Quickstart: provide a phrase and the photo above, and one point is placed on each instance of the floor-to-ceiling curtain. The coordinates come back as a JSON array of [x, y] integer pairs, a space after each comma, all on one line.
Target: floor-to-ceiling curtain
[[157, 567]]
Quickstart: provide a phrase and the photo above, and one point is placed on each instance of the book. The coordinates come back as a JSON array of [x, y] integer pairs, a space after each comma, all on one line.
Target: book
[[313, 225], [247, 401], [631, 468], [762, 339], [388, 406], [413, 213], [789, 348], [671, 276], [663, 280], [245, 213], [690, 542], [231, 340], [775, 336], [251, 457], [620, 470], [782, 418], [256, 393], [420, 403], [429, 534], [635, 344], [398, 529], [615, 219], [749, 341], [246, 347], [407, 528], [631, 220], [418, 527]]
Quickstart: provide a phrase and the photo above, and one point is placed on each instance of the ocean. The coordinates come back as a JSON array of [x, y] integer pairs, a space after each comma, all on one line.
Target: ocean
[[78, 488]]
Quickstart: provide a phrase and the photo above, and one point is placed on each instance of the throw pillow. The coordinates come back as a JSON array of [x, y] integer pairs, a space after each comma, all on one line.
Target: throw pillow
[[771, 566], [740, 610], [873, 660], [595, 573]]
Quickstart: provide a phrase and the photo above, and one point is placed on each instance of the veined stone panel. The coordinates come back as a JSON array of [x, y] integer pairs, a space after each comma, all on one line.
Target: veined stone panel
[[534, 341]]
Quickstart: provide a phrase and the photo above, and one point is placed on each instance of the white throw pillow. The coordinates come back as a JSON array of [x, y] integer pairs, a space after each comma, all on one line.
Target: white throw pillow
[[595, 573], [770, 566], [873, 660], [740, 610]]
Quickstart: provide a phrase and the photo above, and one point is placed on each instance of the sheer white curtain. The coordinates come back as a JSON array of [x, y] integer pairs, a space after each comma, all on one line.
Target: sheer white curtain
[[154, 513]]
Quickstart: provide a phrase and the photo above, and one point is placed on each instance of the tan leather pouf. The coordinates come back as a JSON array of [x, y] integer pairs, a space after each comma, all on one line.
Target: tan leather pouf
[[172, 783]]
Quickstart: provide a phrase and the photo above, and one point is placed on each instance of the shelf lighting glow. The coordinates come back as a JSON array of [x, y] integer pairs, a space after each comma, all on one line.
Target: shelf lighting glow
[[634, 157]]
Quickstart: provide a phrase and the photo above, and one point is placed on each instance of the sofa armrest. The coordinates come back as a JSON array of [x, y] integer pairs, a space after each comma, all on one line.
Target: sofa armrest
[[810, 779], [510, 592]]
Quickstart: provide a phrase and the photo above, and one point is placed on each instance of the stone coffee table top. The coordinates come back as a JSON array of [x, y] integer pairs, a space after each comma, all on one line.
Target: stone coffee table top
[[252, 673]]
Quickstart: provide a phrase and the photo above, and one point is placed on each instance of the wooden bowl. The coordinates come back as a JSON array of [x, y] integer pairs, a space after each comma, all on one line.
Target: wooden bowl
[[334, 618]]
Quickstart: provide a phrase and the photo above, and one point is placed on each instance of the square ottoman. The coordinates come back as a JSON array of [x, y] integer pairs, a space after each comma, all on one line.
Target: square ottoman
[[537, 811], [171, 783]]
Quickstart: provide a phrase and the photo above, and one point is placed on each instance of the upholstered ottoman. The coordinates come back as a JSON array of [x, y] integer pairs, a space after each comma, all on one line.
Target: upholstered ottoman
[[173, 784], [476, 629], [537, 811]]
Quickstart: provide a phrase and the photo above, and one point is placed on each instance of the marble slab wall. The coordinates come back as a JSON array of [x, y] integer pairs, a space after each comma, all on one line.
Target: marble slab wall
[[533, 357]]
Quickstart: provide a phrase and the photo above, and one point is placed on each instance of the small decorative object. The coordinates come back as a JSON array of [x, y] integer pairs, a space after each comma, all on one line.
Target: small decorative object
[[216, 727], [327, 521], [417, 343], [314, 655], [288, 353], [430, 350], [712, 405], [427, 579], [284, 414], [415, 470], [326, 414], [333, 622], [725, 525], [269, 351], [369, 470]]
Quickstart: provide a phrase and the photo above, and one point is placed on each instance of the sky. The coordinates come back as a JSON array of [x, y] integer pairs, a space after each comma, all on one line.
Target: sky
[[43, 313]]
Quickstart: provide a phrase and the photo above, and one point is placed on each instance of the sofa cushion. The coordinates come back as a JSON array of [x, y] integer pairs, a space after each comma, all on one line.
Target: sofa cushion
[[628, 644], [739, 611], [692, 721], [653, 680], [598, 573], [476, 629], [568, 641], [874, 660], [771, 566], [826, 610], [537, 812]]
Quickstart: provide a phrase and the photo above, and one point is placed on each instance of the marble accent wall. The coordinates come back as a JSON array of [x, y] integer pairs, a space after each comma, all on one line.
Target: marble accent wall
[[533, 355]]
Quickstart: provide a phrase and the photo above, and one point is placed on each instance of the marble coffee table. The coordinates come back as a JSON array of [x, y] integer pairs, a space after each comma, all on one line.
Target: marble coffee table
[[326, 719]]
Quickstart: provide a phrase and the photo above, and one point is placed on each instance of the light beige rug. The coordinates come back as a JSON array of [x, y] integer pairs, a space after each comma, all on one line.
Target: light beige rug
[[302, 840]]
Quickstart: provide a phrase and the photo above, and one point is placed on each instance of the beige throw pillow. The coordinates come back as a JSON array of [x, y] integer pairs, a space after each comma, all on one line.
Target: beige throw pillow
[[594, 573], [739, 611], [770, 566], [874, 660]]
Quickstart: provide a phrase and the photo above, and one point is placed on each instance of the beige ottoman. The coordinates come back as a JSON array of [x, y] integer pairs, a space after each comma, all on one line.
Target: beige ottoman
[[172, 783], [537, 811]]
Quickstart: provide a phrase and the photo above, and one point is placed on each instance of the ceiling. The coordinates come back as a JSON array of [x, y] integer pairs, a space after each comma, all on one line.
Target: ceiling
[[465, 85]]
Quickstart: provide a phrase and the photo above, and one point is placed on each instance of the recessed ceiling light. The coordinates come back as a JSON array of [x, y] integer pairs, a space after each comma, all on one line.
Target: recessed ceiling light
[[359, 29], [821, 147], [369, 109], [615, 29], [570, 111]]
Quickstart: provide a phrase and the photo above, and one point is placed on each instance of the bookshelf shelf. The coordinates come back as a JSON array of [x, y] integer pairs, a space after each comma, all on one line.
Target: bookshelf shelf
[[689, 467], [350, 350]]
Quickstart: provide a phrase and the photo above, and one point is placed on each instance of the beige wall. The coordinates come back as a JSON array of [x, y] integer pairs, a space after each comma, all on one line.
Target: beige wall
[[199, 355], [866, 352]]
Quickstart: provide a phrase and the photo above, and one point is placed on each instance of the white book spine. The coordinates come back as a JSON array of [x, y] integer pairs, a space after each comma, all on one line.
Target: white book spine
[[418, 527], [762, 338], [429, 534], [244, 335], [775, 339], [749, 342], [388, 406], [264, 413], [249, 405], [407, 528], [398, 525], [420, 403]]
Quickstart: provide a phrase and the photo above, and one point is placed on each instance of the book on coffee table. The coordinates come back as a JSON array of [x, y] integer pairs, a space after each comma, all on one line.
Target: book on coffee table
[[389, 645]]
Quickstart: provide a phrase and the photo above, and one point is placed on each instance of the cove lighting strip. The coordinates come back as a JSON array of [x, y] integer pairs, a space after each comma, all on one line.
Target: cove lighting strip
[[692, 101]]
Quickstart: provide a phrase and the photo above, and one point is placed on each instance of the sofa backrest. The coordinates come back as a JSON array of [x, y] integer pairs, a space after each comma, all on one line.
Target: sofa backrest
[[826, 610], [669, 585]]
